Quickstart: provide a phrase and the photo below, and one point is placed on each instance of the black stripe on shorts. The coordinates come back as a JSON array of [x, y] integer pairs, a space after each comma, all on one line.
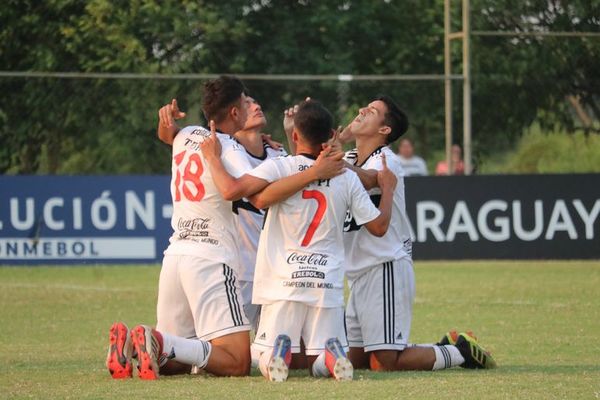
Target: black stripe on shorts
[[234, 304]]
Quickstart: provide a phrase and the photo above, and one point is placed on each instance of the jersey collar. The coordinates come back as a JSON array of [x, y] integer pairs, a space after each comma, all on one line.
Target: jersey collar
[[376, 151], [308, 156]]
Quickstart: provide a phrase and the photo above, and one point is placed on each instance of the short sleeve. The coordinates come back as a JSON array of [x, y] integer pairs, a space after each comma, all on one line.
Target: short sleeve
[[362, 208], [234, 157], [271, 170]]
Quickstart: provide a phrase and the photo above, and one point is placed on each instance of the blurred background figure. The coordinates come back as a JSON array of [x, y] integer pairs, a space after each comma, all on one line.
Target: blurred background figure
[[413, 165], [458, 167]]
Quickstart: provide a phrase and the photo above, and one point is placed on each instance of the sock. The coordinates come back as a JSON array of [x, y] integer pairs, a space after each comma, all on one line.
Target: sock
[[319, 369], [263, 363], [255, 356], [447, 356], [186, 351]]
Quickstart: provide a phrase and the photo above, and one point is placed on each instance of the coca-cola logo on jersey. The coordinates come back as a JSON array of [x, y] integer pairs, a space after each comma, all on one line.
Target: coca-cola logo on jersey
[[193, 227], [308, 259]]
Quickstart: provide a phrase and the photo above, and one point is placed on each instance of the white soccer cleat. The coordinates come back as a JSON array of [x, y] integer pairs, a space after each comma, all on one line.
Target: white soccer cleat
[[337, 363]]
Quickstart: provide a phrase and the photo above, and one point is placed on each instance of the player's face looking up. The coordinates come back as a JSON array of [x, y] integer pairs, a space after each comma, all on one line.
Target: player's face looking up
[[371, 119], [239, 111], [256, 118]]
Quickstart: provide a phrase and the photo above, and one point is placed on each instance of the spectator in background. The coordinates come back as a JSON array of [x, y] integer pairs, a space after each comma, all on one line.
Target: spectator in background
[[458, 167], [413, 165]]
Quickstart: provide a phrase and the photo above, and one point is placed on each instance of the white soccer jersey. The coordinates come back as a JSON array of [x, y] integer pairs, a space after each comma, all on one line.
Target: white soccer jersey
[[249, 221], [300, 251], [202, 220], [364, 250]]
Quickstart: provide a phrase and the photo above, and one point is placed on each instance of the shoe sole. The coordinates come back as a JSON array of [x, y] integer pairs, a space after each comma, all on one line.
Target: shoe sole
[[147, 365], [278, 370], [118, 360], [343, 370]]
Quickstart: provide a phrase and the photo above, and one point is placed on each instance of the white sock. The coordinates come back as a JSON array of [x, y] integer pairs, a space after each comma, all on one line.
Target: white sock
[[254, 356], [263, 363], [447, 356], [319, 369], [187, 351]]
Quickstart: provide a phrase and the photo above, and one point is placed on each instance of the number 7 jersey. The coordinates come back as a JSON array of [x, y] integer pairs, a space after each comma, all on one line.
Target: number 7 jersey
[[202, 220], [301, 251]]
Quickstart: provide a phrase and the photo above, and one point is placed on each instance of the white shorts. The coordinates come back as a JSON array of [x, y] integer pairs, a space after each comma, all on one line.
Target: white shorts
[[379, 309], [252, 311], [297, 320], [198, 298]]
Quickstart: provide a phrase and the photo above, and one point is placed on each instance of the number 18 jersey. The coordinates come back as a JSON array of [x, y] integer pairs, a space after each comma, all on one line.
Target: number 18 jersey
[[300, 251], [202, 220]]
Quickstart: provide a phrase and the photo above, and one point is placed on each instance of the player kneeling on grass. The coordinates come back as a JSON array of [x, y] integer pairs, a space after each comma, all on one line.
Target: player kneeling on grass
[[379, 269], [200, 322], [299, 277]]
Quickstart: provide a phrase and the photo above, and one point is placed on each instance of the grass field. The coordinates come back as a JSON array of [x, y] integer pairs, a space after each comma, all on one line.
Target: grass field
[[541, 320]]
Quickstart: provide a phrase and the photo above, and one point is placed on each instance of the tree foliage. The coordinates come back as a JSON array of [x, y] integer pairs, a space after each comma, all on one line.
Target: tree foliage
[[107, 126]]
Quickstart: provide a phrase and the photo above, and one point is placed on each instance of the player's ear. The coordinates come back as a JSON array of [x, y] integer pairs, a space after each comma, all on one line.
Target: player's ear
[[295, 136], [385, 130], [234, 112]]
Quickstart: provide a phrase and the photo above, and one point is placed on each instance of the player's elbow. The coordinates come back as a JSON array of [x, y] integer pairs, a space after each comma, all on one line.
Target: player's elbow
[[378, 228], [231, 194], [258, 202]]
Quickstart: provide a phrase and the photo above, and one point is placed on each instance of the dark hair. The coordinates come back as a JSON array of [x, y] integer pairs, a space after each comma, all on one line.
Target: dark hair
[[219, 95], [395, 118], [314, 122]]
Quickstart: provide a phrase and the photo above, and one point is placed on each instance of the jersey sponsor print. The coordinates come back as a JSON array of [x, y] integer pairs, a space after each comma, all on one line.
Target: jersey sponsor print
[[300, 252]]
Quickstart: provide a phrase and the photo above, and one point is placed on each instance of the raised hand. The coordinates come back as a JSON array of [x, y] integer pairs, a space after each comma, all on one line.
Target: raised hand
[[386, 179], [211, 146], [273, 143], [169, 113], [288, 118], [334, 142], [329, 163]]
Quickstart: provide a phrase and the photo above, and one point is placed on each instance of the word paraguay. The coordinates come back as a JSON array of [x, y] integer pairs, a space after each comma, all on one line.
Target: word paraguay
[[506, 220]]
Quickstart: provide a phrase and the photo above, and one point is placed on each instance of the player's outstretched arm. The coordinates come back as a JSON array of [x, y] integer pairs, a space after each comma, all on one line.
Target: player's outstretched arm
[[327, 165], [167, 127], [387, 181], [230, 188], [368, 177]]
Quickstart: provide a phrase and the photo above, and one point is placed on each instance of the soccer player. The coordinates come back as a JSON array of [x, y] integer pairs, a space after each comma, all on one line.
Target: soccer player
[[299, 270], [249, 218], [199, 318], [380, 270]]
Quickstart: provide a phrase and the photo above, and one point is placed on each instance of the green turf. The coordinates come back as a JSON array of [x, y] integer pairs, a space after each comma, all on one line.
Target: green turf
[[541, 320]]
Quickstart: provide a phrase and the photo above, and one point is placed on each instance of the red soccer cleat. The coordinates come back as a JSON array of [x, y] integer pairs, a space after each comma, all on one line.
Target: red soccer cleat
[[148, 346], [118, 360]]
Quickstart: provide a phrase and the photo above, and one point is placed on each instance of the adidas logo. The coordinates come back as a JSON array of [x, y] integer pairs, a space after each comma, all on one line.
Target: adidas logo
[[399, 337], [263, 336]]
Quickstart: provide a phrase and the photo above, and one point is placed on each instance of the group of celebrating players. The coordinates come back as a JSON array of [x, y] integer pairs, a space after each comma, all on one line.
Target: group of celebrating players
[[232, 268]]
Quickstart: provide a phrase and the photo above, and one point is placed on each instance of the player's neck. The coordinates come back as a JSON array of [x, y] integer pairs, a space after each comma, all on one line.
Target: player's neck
[[307, 149], [227, 127], [365, 146], [252, 141]]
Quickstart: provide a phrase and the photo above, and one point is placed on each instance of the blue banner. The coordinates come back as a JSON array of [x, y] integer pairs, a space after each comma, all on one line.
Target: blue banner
[[121, 219], [75, 219]]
